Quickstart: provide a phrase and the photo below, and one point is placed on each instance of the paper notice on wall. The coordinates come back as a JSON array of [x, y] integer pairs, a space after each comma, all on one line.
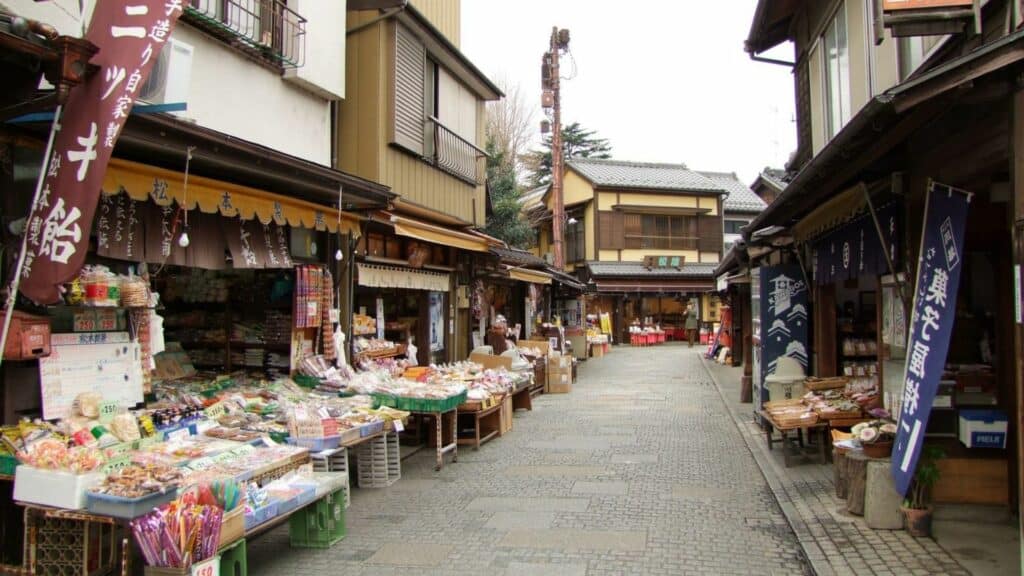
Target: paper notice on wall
[[112, 369]]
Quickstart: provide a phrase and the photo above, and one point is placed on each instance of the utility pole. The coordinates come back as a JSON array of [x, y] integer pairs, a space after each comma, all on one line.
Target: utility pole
[[552, 98]]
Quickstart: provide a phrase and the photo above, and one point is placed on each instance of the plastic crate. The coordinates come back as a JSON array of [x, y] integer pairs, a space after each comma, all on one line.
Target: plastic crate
[[371, 429], [320, 525], [56, 546], [316, 444], [7, 464], [261, 515], [233, 560], [126, 508], [419, 404], [306, 381], [337, 462], [372, 463], [394, 451]]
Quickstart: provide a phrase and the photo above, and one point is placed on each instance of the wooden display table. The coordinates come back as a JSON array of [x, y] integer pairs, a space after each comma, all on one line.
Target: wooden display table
[[522, 399], [486, 425], [442, 436], [794, 446]]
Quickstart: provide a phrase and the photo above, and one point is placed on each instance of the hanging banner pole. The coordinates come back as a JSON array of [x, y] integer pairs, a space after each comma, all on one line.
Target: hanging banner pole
[[940, 263], [12, 291]]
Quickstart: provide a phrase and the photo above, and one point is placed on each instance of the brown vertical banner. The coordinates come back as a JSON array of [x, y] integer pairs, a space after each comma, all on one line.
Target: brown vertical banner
[[207, 248], [241, 242], [161, 238], [130, 36], [120, 221]]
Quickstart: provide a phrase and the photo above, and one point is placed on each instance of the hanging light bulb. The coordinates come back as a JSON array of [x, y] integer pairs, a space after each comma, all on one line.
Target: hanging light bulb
[[183, 240], [339, 255]]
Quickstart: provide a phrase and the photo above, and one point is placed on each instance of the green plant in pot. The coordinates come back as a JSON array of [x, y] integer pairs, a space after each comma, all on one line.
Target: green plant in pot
[[917, 507]]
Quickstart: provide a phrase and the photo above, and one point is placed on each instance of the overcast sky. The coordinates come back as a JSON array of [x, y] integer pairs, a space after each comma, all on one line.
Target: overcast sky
[[662, 80]]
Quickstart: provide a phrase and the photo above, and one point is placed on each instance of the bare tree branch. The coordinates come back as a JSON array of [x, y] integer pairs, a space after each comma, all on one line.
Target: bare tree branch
[[510, 124]]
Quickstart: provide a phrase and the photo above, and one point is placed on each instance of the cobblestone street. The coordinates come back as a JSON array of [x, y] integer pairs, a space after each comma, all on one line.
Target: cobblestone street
[[640, 470]]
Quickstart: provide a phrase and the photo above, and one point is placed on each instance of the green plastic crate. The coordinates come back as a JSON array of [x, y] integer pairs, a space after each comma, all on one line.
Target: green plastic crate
[[7, 464], [306, 381], [233, 560], [418, 404], [321, 524]]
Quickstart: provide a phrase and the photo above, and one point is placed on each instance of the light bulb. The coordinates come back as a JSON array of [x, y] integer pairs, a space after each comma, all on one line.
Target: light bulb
[[338, 255], [183, 240], [312, 248]]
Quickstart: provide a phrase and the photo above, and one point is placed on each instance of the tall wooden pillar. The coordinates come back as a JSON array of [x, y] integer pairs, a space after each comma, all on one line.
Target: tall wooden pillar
[[747, 380], [1017, 247]]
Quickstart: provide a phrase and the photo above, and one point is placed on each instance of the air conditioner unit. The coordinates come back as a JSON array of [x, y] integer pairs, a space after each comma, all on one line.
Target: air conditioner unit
[[549, 257], [169, 80]]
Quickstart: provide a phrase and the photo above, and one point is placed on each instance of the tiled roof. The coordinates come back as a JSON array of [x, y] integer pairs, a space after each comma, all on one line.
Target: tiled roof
[[644, 175], [606, 269], [775, 177], [740, 198], [519, 257]]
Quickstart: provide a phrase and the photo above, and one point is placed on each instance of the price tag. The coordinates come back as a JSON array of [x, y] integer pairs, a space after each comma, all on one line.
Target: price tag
[[244, 449], [203, 425], [399, 427], [323, 412], [117, 464], [208, 567], [117, 450], [306, 469], [108, 410], [200, 464], [150, 440], [215, 411], [225, 457], [179, 434], [330, 426]]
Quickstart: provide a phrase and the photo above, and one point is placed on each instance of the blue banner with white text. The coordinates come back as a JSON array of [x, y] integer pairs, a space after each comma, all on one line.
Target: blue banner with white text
[[931, 323], [784, 319]]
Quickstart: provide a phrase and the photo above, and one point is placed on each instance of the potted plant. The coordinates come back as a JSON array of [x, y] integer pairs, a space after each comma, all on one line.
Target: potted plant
[[876, 437], [917, 508]]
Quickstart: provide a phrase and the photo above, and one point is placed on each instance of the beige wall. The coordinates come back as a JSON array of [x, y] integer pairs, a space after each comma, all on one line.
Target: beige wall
[[445, 15], [606, 200], [709, 257], [886, 69], [638, 255], [710, 204], [608, 255], [817, 83], [575, 190], [590, 225]]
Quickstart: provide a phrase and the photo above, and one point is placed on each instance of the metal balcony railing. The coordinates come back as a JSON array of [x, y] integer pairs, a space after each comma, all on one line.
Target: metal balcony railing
[[263, 28], [453, 153]]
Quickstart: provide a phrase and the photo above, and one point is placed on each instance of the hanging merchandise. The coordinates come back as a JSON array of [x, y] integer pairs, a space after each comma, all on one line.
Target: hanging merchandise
[[309, 282], [326, 304], [477, 300]]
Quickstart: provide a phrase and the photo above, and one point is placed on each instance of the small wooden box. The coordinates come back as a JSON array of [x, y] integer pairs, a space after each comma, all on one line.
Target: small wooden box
[[29, 337]]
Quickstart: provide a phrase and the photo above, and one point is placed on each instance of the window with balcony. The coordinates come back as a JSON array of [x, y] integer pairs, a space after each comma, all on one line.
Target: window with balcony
[[434, 114], [645, 231], [837, 73], [266, 30], [735, 226]]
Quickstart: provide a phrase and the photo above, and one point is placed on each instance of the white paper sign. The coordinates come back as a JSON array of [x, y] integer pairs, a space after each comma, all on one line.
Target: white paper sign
[[108, 366]]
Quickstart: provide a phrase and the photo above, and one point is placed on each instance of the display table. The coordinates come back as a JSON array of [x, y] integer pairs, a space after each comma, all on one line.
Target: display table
[[794, 446], [522, 399], [486, 425], [444, 435]]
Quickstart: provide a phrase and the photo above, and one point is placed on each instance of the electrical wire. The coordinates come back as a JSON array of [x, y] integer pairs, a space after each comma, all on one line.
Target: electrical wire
[[572, 57]]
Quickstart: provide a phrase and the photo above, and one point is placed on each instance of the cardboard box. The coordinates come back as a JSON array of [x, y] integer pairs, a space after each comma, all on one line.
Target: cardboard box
[[491, 362], [559, 380], [596, 350], [541, 345], [558, 362], [982, 428]]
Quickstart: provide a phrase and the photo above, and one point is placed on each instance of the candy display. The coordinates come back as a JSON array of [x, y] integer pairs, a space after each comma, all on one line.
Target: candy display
[[137, 481], [178, 535]]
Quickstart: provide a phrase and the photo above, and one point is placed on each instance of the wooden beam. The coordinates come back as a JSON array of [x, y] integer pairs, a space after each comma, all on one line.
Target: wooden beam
[[963, 74]]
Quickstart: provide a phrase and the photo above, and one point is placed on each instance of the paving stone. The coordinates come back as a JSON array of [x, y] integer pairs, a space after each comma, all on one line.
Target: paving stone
[[505, 520], [610, 488], [412, 554], [529, 569], [557, 471], [572, 539], [634, 459], [500, 503]]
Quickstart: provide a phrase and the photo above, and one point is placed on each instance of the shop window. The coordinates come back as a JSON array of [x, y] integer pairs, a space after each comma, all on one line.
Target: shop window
[[837, 73], [661, 232], [914, 50], [575, 241]]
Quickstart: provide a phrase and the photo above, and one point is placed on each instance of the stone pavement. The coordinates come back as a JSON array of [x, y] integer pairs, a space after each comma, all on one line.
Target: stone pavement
[[639, 471], [833, 541]]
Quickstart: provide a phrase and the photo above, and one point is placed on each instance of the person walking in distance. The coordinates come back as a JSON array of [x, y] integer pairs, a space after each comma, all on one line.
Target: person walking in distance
[[691, 324]]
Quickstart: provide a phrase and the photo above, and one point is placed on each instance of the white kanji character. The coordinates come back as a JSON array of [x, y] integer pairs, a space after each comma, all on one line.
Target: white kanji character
[[930, 253], [938, 288], [918, 357], [225, 201], [121, 107], [134, 80], [114, 76], [159, 189], [44, 198], [930, 319], [147, 53], [132, 31], [61, 232], [34, 228], [87, 154], [26, 268], [172, 6], [54, 165], [136, 10], [111, 137], [159, 30], [911, 397]]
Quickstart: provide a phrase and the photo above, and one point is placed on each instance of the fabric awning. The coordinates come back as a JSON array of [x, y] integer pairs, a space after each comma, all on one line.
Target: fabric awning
[[532, 276], [165, 187], [380, 276], [436, 234], [655, 287]]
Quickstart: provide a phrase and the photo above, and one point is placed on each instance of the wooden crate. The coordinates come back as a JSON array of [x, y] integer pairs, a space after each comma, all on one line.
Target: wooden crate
[[505, 425]]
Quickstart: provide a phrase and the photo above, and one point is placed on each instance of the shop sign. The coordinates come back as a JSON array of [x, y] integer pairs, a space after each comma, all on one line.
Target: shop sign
[[130, 36], [854, 250], [784, 317], [119, 228], [931, 322]]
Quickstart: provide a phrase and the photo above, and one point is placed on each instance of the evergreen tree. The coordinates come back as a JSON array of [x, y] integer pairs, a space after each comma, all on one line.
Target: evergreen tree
[[577, 142], [506, 221]]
